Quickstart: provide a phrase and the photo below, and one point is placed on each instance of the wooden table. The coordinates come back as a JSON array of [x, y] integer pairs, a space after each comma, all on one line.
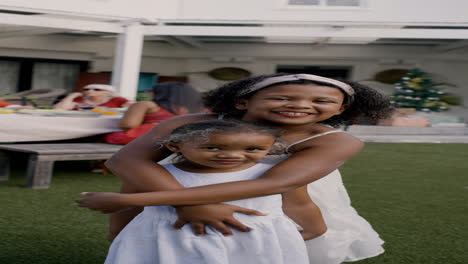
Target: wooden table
[[28, 127]]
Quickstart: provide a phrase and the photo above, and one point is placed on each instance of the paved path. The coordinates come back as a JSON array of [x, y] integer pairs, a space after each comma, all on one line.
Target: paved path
[[410, 134], [413, 139]]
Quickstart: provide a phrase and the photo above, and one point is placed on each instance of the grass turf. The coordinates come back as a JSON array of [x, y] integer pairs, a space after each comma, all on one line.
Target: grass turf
[[415, 196]]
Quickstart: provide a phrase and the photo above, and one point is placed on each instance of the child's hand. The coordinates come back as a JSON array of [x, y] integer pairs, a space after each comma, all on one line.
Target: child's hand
[[219, 216], [106, 202]]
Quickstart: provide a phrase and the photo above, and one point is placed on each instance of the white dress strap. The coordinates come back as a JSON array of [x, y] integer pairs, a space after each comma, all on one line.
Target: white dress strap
[[314, 136]]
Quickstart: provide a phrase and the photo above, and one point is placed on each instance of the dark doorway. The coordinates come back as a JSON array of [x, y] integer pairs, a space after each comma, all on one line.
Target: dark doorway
[[28, 67], [341, 72]]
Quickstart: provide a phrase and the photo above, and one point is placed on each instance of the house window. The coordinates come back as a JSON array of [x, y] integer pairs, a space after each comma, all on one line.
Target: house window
[[304, 2], [327, 3], [21, 74], [55, 75], [9, 76], [343, 2], [330, 71]]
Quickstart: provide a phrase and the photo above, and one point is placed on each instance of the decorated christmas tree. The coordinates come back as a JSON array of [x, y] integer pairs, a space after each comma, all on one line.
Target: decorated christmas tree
[[417, 90]]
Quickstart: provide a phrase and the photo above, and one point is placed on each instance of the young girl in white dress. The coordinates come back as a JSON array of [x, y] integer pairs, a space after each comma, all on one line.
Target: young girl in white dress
[[306, 107], [212, 152]]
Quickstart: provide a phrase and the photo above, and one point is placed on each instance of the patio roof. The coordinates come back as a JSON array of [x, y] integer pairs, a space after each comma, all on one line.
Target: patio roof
[[130, 33], [198, 32]]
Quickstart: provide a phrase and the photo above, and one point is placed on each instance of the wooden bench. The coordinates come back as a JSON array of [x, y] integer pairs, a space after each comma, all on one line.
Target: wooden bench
[[41, 158]]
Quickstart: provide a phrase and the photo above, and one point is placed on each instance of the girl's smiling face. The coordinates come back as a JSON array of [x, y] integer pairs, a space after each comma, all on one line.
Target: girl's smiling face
[[294, 104], [223, 152]]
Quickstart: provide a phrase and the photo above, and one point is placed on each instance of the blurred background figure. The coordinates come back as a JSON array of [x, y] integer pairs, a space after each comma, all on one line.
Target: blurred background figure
[[93, 95], [6, 105], [168, 100]]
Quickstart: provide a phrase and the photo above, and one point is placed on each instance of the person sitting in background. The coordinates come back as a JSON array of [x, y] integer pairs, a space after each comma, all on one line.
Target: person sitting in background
[[6, 105], [93, 95], [169, 99]]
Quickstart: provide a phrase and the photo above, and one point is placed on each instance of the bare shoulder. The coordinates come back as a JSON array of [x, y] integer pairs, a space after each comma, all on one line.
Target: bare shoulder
[[332, 139], [142, 105], [145, 104]]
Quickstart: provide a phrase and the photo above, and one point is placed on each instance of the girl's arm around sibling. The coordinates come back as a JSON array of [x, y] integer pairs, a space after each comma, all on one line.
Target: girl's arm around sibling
[[329, 153], [298, 206]]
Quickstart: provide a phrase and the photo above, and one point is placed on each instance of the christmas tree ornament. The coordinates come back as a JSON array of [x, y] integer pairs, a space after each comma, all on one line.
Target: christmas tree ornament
[[417, 90]]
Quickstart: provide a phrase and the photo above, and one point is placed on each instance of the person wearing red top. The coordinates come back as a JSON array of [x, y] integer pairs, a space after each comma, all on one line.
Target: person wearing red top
[[94, 95], [169, 99], [4, 104]]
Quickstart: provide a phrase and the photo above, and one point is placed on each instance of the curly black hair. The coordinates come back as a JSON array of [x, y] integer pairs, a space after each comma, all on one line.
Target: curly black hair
[[201, 132], [366, 103], [173, 95]]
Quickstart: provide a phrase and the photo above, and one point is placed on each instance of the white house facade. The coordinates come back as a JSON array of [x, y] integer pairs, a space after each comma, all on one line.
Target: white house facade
[[190, 38]]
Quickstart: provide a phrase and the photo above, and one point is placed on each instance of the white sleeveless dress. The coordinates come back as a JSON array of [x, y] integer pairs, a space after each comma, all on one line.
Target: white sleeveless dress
[[349, 236], [150, 238]]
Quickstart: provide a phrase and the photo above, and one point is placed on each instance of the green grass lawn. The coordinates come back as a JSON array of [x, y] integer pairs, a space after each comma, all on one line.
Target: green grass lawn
[[414, 195]]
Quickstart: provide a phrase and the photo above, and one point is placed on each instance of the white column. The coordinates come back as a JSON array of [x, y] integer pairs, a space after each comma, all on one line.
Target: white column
[[127, 60]]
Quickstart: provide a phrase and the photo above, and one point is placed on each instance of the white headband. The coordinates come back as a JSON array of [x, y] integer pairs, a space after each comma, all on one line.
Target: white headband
[[105, 87], [346, 88]]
